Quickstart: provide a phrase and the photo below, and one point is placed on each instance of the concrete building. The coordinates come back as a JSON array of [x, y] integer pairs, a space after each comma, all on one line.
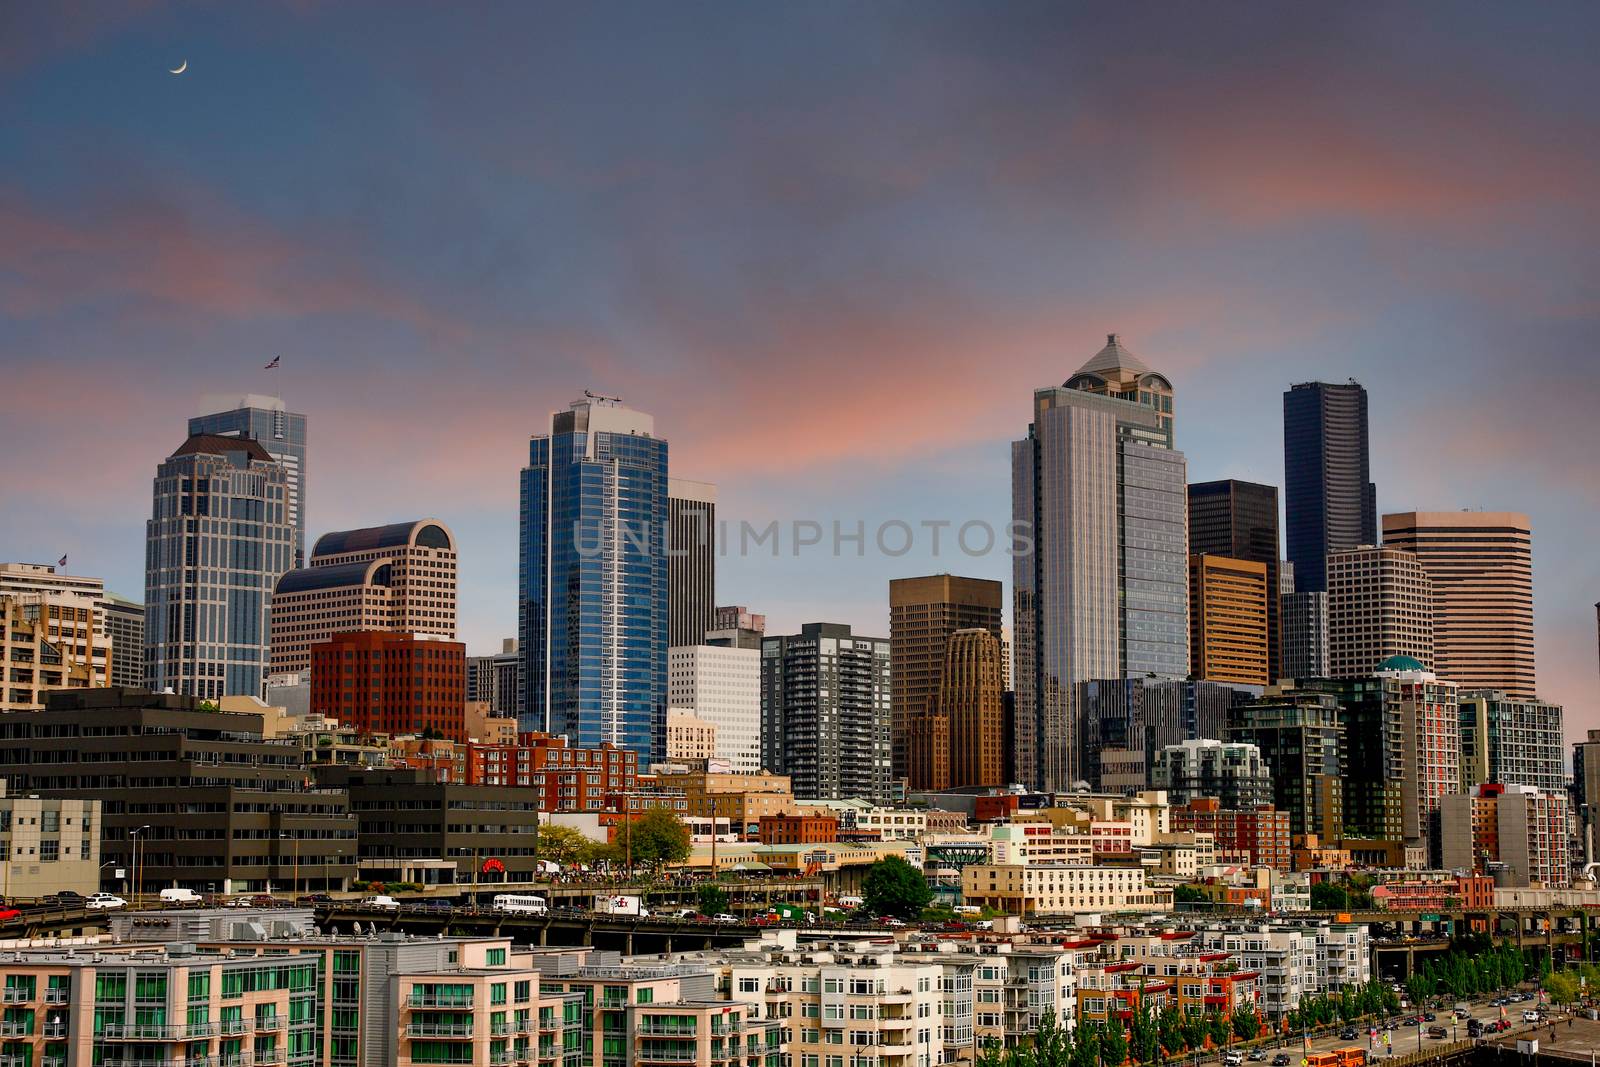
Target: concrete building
[[1330, 502], [1511, 741], [1137, 716], [400, 578], [737, 627], [959, 738], [1302, 738], [562, 777], [221, 534], [593, 615], [493, 679], [1305, 635], [691, 566], [1380, 604], [742, 799], [1517, 833], [392, 683], [722, 685], [1060, 890], [124, 621], [1232, 772], [1261, 835], [924, 613], [282, 433], [690, 737], [50, 844], [1480, 565], [74, 610], [33, 664], [825, 712], [1228, 634], [1103, 591], [1586, 793], [1239, 520]]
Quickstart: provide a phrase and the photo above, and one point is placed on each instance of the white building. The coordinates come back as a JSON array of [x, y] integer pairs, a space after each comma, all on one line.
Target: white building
[[1061, 890], [723, 687]]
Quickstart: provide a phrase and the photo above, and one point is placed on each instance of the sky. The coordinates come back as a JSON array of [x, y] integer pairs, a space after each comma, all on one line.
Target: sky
[[831, 247]]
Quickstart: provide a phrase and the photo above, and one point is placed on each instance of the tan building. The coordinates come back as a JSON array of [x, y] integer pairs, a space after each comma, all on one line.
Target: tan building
[[1380, 604], [1060, 890], [31, 663], [400, 578], [73, 609], [924, 613], [971, 699], [480, 724], [1227, 619], [690, 737], [1481, 567], [742, 799], [50, 845]]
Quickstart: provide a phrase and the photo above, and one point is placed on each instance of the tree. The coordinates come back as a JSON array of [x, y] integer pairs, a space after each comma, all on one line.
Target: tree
[[564, 844], [713, 899], [1221, 1029], [1144, 1035], [1326, 896], [1562, 986], [654, 838], [1246, 1023], [1114, 1044], [1188, 894], [894, 887]]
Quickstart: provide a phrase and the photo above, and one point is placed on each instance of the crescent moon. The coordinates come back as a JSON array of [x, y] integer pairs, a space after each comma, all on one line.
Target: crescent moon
[[181, 68]]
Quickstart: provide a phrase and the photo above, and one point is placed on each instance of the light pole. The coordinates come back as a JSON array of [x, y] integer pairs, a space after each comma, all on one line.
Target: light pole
[[138, 872], [285, 836]]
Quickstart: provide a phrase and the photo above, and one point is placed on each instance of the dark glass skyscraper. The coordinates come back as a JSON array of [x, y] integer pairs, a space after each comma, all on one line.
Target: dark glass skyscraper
[[592, 615], [692, 561], [281, 432], [1330, 501], [1240, 520]]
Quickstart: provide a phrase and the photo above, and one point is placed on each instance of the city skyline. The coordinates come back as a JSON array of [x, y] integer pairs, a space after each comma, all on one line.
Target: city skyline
[[1347, 256]]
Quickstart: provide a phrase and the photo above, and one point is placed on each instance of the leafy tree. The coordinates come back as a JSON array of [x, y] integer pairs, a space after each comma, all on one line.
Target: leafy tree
[[894, 887], [1327, 896], [713, 899], [1220, 1028], [1188, 894], [1114, 1044], [1169, 1026], [564, 844], [1086, 1046], [1246, 1023], [657, 837], [1144, 1039], [1562, 987]]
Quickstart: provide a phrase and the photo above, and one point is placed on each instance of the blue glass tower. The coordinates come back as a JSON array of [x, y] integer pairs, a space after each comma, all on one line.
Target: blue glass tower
[[592, 575]]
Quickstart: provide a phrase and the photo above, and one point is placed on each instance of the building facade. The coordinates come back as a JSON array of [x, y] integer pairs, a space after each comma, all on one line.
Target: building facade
[[493, 679], [825, 712], [1301, 736], [74, 612], [593, 617], [221, 533], [1480, 565], [1102, 591], [722, 685], [1232, 772], [691, 567], [125, 627], [689, 737], [1380, 604], [1511, 741], [50, 844], [969, 700], [1516, 833], [32, 663], [1239, 520], [1228, 634], [1330, 503], [1304, 650], [392, 683]]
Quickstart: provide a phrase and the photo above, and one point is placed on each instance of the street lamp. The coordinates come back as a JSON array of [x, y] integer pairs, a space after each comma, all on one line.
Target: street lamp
[[138, 872]]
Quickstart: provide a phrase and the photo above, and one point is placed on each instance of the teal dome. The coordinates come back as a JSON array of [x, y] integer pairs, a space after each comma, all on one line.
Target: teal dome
[[1401, 663]]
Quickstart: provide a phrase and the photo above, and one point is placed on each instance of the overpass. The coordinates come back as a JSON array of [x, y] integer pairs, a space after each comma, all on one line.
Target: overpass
[[55, 922]]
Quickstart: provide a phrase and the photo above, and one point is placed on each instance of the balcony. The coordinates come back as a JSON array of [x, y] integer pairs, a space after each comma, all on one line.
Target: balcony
[[197, 1030], [57, 996], [230, 1027], [500, 1029], [15, 1029], [266, 1024], [268, 1056], [655, 1056], [61, 1061], [234, 1059], [649, 1029], [18, 995], [137, 1032], [445, 1030], [439, 1000], [500, 1056], [54, 1029]]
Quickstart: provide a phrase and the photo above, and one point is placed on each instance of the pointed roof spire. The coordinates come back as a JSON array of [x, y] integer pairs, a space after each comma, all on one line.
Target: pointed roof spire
[[1112, 358]]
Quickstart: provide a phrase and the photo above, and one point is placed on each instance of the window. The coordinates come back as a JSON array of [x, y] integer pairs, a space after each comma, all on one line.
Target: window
[[495, 957]]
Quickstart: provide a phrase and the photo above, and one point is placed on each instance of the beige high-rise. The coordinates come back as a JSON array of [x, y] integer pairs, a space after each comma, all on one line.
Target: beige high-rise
[[1380, 604], [1228, 619], [1481, 567]]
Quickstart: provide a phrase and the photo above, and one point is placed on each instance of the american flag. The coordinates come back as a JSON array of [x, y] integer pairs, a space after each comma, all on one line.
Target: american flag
[[274, 364], [62, 562]]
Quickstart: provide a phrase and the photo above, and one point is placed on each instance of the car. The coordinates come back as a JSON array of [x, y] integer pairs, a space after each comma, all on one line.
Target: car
[[1438, 1032], [724, 917], [314, 899], [1232, 1059], [1347, 1034], [890, 920], [381, 902], [1256, 1055], [1429, 1016], [104, 902], [1281, 1060], [1411, 1020], [9, 915], [65, 898], [238, 902], [1530, 1016]]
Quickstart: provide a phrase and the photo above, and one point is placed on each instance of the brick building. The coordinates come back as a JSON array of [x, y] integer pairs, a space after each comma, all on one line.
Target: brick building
[[1262, 833], [797, 829], [394, 683]]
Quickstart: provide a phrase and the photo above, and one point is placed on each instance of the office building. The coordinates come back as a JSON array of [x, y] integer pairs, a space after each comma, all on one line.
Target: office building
[[71, 613], [689, 737], [391, 683], [400, 578], [1102, 592], [1259, 835], [959, 740], [1517, 833], [1232, 772], [1510, 741], [924, 613], [1228, 639], [1330, 503], [1302, 738], [738, 617], [562, 777], [1304, 648], [722, 685], [691, 566], [1586, 793], [49, 844], [825, 712], [1480, 565], [1380, 604], [1133, 717], [492, 680], [280, 432], [32, 661], [1239, 520], [740, 799], [124, 620], [592, 573], [1027, 890]]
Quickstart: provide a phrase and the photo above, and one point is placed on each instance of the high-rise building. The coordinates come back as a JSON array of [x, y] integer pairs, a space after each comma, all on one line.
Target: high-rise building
[[1586, 793], [825, 712], [1228, 639], [967, 744], [722, 685], [1134, 717], [1102, 591], [125, 626], [1231, 771], [1510, 741], [924, 613], [391, 683], [400, 577], [592, 618], [1380, 604], [1240, 520], [1480, 564], [220, 536], [282, 433], [691, 564], [1302, 738], [1517, 832], [31, 663], [1330, 502], [1304, 648], [689, 737], [71, 611], [492, 680]]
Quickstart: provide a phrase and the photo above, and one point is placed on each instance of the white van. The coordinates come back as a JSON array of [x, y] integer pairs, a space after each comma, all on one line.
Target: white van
[[180, 898]]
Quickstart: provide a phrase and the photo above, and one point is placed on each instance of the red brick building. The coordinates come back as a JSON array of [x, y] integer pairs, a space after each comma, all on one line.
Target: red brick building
[[568, 778], [799, 829], [1470, 891], [1261, 833], [392, 683]]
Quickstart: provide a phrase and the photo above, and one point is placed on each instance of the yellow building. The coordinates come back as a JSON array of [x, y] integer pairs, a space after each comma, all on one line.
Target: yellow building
[[31, 662], [1228, 619], [690, 737]]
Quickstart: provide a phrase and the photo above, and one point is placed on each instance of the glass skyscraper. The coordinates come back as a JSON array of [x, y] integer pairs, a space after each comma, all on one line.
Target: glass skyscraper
[[281, 432], [1330, 503], [592, 576], [218, 540], [1104, 593]]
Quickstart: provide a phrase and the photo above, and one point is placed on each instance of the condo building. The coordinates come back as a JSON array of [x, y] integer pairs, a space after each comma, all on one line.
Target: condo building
[[691, 564], [825, 712], [1239, 520]]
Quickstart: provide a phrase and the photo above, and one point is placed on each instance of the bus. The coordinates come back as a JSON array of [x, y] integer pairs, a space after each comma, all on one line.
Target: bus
[[520, 904], [1351, 1056]]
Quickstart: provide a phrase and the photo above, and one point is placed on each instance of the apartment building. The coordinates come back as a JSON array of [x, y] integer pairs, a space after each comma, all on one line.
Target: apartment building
[[1060, 890]]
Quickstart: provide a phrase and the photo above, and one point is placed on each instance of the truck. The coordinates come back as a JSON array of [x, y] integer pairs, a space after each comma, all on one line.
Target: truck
[[621, 904]]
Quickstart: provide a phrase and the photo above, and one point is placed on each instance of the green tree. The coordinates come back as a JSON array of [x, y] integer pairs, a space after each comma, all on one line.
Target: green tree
[[894, 887], [713, 899], [1246, 1023], [1144, 1034], [1115, 1046], [564, 844], [1169, 1025], [1327, 896], [1220, 1028], [656, 837], [1562, 986], [1085, 1046], [1188, 894]]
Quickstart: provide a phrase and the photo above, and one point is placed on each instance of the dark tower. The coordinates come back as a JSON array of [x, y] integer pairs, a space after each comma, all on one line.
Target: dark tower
[[1331, 503]]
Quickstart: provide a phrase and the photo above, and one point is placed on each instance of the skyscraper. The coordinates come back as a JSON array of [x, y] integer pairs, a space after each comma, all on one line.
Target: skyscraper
[[1304, 618], [722, 685], [825, 713], [1330, 501], [1302, 738], [592, 574], [958, 738], [924, 613], [1380, 604], [281, 432], [492, 680], [218, 539], [125, 627], [1480, 564], [1103, 592], [1510, 741], [1228, 619], [691, 564], [1240, 520]]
